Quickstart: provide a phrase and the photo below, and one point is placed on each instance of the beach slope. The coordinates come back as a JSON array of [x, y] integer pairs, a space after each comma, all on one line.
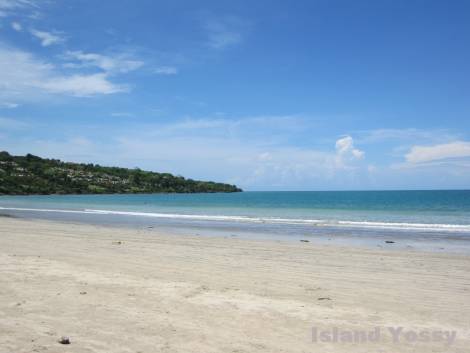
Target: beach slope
[[125, 290]]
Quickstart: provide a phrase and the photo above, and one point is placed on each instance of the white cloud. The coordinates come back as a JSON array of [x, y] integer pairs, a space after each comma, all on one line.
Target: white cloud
[[406, 135], [25, 77], [47, 38], [119, 63], [81, 85], [345, 149], [9, 105], [166, 70], [15, 4], [424, 154], [225, 32], [344, 144], [9, 7], [17, 26]]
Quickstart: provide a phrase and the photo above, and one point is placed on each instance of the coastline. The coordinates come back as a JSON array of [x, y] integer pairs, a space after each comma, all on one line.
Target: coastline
[[128, 290], [441, 238]]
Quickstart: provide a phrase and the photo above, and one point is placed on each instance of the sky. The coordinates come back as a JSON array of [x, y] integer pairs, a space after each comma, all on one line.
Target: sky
[[268, 95]]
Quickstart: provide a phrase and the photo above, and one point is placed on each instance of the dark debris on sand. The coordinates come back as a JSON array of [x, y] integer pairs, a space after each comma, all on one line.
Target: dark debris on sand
[[64, 340]]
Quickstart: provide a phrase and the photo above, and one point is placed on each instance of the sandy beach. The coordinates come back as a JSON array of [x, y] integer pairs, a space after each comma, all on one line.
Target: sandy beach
[[124, 290]]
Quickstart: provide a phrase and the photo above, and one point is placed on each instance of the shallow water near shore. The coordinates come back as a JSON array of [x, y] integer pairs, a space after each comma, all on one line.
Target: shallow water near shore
[[434, 220]]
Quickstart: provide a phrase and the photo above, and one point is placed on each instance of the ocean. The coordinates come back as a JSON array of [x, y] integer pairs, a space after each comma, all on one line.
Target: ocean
[[432, 219]]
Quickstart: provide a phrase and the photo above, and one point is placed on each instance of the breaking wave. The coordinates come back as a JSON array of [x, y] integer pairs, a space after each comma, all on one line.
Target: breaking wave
[[271, 220]]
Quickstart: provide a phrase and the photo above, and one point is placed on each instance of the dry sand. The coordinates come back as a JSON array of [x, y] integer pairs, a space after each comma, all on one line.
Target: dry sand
[[158, 293]]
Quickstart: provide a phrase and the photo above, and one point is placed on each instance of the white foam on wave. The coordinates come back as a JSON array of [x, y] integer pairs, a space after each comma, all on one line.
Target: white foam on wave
[[407, 226], [43, 210], [298, 221], [208, 217]]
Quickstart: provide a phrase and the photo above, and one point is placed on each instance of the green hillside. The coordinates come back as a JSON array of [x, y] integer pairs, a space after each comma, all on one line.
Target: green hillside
[[23, 175]]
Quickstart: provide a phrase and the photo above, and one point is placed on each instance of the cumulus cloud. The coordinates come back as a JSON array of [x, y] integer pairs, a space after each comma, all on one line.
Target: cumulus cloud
[[119, 63], [345, 149], [24, 77], [47, 38], [451, 150]]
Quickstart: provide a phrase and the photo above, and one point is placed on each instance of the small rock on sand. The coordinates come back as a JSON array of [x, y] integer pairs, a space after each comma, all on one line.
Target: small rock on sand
[[64, 340]]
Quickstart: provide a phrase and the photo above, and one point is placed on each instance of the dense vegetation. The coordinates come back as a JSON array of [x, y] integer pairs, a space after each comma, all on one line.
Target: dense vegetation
[[22, 175]]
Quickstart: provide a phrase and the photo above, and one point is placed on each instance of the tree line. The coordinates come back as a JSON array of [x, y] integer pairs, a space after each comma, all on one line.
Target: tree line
[[24, 175]]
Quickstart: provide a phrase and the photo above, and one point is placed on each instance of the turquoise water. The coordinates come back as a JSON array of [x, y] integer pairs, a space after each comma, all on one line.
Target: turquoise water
[[424, 211]]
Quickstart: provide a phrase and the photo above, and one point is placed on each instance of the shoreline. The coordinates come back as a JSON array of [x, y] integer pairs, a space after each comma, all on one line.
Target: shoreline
[[129, 290], [440, 241]]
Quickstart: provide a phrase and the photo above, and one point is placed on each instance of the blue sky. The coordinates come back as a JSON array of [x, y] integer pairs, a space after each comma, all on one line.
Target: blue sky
[[270, 95]]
